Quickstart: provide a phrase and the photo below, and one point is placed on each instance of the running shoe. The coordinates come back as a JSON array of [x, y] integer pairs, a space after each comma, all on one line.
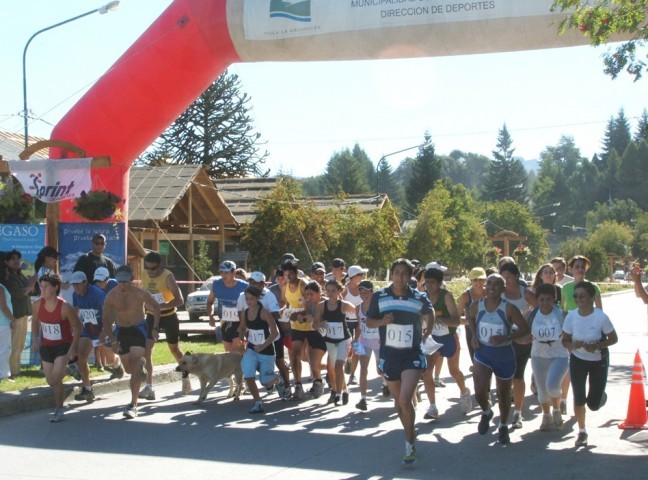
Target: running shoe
[[130, 411], [465, 402], [362, 405], [517, 420], [336, 399], [557, 419], [439, 383], [432, 413], [85, 394], [299, 391], [547, 424], [147, 393], [352, 380], [73, 371], [484, 423], [385, 390], [603, 400], [186, 386], [563, 407], [331, 398], [581, 440], [117, 372], [503, 437], [287, 395], [345, 398], [318, 388], [281, 388], [410, 453], [57, 416], [257, 408]]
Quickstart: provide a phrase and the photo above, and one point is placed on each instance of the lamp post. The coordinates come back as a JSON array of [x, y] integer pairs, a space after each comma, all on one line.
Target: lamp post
[[424, 144], [109, 7]]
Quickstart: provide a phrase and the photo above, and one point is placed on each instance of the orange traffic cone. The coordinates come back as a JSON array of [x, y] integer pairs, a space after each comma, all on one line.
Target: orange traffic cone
[[637, 418]]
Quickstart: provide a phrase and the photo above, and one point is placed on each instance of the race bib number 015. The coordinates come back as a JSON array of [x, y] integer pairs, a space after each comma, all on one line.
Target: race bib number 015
[[399, 336]]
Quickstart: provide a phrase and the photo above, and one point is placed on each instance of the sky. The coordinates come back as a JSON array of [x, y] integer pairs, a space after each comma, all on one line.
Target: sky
[[323, 107]]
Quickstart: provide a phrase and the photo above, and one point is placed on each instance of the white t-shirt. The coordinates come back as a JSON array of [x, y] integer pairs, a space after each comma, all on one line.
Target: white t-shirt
[[588, 329], [546, 331]]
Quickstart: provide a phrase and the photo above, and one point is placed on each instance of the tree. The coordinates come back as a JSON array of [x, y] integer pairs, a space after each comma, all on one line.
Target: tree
[[507, 178], [632, 173], [640, 238], [202, 262], [621, 211], [346, 174], [595, 253], [470, 169], [600, 20], [448, 228], [642, 128], [386, 183], [617, 136], [515, 217], [614, 238], [216, 131], [426, 170]]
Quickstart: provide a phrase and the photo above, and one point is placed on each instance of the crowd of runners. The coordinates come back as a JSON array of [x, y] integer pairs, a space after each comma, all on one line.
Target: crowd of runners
[[335, 322]]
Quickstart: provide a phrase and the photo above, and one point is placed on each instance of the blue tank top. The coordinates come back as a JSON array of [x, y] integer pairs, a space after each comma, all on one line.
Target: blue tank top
[[492, 323]]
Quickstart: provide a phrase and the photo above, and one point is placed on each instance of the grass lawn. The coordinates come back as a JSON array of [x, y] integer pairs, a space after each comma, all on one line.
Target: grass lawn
[[31, 376]]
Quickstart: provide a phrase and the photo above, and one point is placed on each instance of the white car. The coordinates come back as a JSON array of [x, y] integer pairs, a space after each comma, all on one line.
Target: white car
[[196, 302], [619, 275]]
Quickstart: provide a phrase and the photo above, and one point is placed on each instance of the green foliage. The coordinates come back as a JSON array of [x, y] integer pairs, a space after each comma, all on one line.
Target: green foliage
[[600, 20], [640, 238], [96, 204], [515, 217], [426, 170], [16, 206], [613, 237], [346, 173], [617, 135], [580, 246], [287, 223], [642, 128], [215, 131], [448, 228], [507, 178], [468, 169], [622, 211], [202, 262], [386, 182]]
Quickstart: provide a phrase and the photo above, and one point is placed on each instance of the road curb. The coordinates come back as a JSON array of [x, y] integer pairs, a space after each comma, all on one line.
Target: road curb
[[39, 398]]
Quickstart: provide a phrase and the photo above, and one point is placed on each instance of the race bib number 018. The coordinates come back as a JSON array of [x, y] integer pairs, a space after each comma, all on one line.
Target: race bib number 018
[[51, 331], [399, 336]]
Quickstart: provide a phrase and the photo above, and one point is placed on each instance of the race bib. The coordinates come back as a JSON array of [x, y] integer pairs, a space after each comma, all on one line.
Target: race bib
[[369, 333], [488, 330], [440, 330], [159, 298], [88, 315], [287, 312], [256, 337], [546, 331], [335, 331], [51, 331], [399, 336], [229, 314]]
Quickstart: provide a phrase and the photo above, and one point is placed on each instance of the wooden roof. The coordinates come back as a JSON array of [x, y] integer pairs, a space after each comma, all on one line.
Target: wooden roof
[[12, 144], [241, 195], [161, 194]]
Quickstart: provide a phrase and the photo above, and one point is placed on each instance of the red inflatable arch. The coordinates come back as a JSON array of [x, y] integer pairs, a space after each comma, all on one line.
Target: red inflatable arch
[[193, 41]]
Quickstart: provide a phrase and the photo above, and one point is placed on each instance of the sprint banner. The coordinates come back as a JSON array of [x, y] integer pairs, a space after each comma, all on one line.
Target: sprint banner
[[277, 19], [53, 180]]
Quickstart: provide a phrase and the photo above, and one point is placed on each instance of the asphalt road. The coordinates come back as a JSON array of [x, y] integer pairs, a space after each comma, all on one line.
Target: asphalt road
[[172, 438]]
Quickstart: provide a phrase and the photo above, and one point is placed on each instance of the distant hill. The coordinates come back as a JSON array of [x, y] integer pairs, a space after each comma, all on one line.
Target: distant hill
[[530, 165]]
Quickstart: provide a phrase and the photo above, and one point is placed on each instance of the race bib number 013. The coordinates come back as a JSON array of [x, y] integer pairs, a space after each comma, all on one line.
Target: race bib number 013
[[399, 336]]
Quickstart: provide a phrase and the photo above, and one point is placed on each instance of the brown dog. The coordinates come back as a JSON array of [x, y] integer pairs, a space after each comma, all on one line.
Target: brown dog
[[211, 368]]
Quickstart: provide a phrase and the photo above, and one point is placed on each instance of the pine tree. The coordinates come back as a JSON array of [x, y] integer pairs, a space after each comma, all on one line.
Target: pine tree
[[642, 128], [216, 131], [507, 177], [345, 174], [617, 137], [426, 170], [386, 183]]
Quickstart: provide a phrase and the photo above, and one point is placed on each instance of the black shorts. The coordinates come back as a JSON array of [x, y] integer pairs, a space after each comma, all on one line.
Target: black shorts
[[522, 355], [352, 325], [49, 354], [169, 324], [393, 367], [229, 330], [134, 336], [314, 339]]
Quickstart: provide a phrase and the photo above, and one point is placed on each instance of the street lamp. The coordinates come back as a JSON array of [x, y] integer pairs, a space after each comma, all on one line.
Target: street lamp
[[420, 145], [109, 7]]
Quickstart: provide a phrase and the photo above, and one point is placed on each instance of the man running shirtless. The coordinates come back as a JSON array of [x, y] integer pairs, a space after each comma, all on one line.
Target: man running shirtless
[[124, 305]]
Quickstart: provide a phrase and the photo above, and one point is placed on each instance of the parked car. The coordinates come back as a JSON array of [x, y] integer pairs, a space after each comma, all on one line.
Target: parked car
[[619, 275], [196, 302]]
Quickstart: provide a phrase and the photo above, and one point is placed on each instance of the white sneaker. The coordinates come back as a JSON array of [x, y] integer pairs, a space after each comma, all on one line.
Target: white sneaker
[[257, 408], [547, 424], [465, 402], [557, 419], [517, 420], [147, 393], [432, 413], [410, 453]]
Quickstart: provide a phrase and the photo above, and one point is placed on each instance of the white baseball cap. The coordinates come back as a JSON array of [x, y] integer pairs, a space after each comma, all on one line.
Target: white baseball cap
[[78, 277], [101, 274], [354, 270], [258, 277], [436, 265]]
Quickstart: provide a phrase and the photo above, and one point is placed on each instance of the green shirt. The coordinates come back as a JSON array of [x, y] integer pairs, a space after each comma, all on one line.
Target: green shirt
[[568, 295]]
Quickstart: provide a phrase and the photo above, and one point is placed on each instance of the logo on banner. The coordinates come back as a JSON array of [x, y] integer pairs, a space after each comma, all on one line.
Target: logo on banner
[[299, 10], [53, 180]]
